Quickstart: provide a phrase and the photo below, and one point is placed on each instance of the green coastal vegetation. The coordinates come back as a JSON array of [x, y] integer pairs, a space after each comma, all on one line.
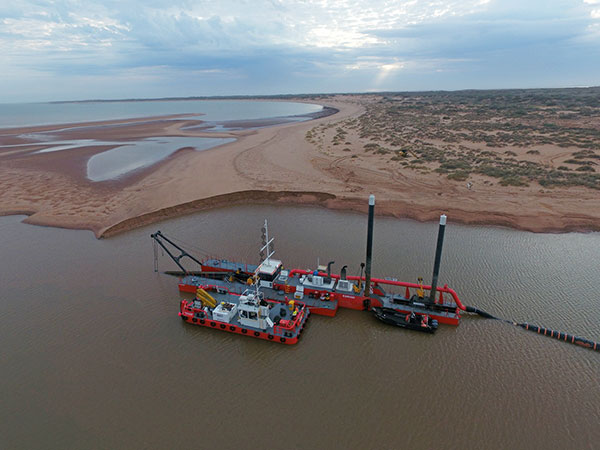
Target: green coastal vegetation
[[510, 137]]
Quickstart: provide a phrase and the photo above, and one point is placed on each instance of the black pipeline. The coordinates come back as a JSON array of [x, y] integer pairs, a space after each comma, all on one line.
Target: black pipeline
[[541, 330]]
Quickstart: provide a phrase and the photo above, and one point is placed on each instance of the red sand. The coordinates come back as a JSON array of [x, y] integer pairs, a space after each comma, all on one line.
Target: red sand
[[268, 165]]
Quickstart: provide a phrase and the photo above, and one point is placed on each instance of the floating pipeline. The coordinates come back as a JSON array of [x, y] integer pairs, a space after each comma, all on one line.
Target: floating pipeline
[[561, 336], [474, 310], [541, 330]]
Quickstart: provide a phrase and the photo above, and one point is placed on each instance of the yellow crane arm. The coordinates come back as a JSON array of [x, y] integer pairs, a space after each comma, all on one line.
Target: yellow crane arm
[[206, 298]]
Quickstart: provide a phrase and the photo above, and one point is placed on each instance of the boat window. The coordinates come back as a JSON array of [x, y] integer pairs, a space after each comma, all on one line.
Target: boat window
[[268, 276]]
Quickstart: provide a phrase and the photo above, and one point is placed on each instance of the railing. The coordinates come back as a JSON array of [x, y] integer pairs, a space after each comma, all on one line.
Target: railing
[[221, 260], [217, 288], [408, 286], [291, 325]]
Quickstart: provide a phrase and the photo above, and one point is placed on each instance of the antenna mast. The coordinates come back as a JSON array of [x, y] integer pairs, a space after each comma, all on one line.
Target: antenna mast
[[266, 244]]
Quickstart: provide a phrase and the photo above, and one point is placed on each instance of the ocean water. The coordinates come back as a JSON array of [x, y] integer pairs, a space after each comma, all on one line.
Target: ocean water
[[129, 155], [137, 155], [28, 114], [94, 355]]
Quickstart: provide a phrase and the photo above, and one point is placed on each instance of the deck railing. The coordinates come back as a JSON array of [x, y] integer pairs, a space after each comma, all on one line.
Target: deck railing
[[408, 286]]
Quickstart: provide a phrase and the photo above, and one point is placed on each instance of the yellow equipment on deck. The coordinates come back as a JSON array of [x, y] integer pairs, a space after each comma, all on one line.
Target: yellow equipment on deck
[[206, 298], [420, 290]]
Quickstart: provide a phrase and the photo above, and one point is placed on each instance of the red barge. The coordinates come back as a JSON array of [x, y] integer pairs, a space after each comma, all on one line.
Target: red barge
[[324, 294]]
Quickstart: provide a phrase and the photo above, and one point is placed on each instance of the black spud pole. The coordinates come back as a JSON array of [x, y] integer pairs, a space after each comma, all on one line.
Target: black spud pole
[[369, 245], [438, 257]]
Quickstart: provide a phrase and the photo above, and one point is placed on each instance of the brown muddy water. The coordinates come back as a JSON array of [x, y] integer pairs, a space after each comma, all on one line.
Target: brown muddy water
[[94, 356]]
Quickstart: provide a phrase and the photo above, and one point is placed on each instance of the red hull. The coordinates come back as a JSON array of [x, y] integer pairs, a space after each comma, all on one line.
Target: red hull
[[239, 330], [322, 311], [188, 288], [349, 302]]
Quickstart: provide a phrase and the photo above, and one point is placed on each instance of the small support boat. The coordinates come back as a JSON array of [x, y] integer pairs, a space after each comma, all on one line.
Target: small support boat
[[247, 314], [412, 321]]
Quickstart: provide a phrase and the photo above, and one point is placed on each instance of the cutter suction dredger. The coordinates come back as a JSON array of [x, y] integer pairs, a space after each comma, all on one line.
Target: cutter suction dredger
[[269, 302], [323, 292]]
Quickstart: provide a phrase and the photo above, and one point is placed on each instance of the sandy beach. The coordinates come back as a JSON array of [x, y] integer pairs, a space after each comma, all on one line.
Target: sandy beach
[[276, 164]]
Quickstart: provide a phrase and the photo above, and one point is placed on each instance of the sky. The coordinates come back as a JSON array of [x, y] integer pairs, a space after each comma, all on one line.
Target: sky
[[78, 49]]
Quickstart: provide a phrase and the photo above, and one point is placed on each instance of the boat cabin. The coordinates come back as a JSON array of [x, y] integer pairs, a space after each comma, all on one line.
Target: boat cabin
[[254, 310], [268, 271]]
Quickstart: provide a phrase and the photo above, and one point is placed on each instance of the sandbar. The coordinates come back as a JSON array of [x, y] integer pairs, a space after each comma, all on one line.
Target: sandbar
[[277, 164]]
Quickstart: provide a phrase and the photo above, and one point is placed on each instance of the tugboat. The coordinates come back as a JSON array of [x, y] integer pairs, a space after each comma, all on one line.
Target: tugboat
[[247, 314], [412, 321]]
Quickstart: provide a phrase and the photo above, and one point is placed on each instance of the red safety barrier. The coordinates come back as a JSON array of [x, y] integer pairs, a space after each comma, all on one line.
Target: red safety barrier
[[407, 285]]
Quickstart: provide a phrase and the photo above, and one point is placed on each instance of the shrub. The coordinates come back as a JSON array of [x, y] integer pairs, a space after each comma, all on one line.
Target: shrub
[[454, 164], [579, 162], [492, 171], [513, 181], [459, 175]]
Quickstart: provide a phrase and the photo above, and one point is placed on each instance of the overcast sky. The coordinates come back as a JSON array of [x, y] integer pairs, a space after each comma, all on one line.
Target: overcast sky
[[69, 49]]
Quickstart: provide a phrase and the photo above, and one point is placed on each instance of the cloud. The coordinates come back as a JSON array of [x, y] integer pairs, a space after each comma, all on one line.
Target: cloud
[[271, 46]]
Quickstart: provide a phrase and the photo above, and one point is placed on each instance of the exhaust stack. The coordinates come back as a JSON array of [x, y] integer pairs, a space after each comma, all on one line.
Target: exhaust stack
[[329, 264], [343, 273]]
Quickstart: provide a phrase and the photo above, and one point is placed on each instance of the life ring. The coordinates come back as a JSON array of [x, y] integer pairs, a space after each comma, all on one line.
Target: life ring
[[194, 319], [202, 321], [256, 333], [282, 340], [212, 324], [223, 326], [232, 328], [270, 336], [244, 330]]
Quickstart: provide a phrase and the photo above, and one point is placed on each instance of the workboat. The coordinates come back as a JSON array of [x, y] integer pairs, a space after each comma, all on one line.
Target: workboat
[[247, 314], [412, 321]]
